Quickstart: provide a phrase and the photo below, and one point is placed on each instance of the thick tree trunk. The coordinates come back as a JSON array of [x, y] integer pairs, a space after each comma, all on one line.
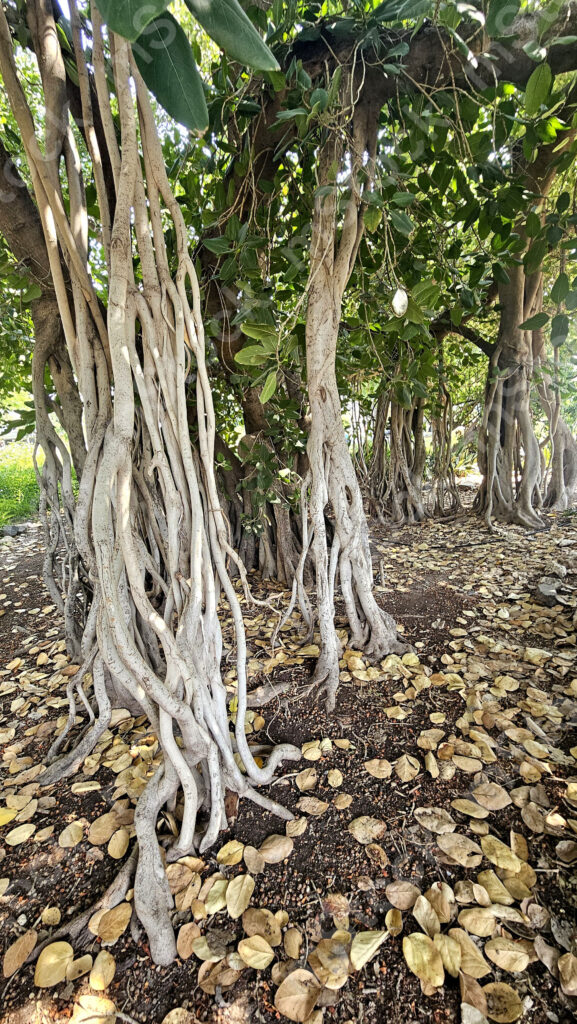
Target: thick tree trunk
[[333, 481], [509, 456], [148, 525], [445, 498]]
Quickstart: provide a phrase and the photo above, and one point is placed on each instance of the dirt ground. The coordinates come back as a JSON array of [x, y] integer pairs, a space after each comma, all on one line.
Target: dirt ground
[[488, 695]]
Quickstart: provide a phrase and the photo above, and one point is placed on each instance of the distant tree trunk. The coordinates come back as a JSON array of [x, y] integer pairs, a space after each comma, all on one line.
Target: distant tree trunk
[[398, 464], [560, 477], [562, 480], [508, 451], [445, 498]]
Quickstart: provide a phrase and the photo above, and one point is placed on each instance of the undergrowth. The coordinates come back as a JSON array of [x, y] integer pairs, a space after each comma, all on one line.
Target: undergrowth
[[18, 487]]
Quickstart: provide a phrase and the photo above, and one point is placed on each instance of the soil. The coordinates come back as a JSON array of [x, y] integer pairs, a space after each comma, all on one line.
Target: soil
[[451, 587]]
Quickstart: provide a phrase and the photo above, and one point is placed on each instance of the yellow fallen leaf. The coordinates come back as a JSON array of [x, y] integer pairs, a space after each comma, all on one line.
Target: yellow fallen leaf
[[103, 971], [256, 952], [364, 946], [423, 959], [52, 964]]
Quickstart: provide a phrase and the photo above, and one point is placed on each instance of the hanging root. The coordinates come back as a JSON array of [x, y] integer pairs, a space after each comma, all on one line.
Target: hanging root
[[510, 489], [397, 468], [445, 499], [147, 536]]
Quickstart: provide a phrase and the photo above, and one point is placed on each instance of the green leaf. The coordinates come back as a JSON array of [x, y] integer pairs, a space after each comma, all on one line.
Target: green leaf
[[403, 198], [288, 115], [560, 289], [260, 332], [372, 217], [166, 63], [414, 313], [218, 245], [535, 256], [532, 224], [33, 291], [535, 323], [426, 292], [401, 221], [535, 51], [130, 17], [538, 88], [401, 10], [226, 23], [254, 355], [559, 329], [269, 388], [500, 16], [321, 97]]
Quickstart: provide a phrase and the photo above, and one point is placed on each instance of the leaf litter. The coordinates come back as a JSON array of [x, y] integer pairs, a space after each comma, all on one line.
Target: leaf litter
[[456, 812]]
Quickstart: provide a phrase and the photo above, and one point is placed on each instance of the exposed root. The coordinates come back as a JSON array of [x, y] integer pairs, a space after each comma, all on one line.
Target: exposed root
[[148, 535], [266, 692], [396, 472]]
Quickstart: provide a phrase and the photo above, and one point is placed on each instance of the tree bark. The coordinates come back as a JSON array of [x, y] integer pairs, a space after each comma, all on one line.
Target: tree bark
[[333, 481], [509, 456], [508, 451], [148, 525], [397, 467]]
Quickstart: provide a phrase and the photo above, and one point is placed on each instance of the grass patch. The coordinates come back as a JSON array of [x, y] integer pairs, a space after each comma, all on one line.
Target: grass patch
[[18, 487]]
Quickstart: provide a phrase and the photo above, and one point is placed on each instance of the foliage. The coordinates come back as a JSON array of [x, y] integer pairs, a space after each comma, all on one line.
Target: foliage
[[16, 294], [19, 492]]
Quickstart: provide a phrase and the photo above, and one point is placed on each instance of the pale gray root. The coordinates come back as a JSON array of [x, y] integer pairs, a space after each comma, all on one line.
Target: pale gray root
[[334, 483], [445, 498], [397, 468], [152, 899], [148, 530], [266, 692], [74, 683], [77, 928], [69, 763]]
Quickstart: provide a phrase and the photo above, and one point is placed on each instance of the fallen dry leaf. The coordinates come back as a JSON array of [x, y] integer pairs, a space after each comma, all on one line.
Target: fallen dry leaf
[[423, 959], [367, 830], [503, 1003], [103, 971], [18, 952], [256, 952], [52, 964], [296, 996], [364, 946]]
